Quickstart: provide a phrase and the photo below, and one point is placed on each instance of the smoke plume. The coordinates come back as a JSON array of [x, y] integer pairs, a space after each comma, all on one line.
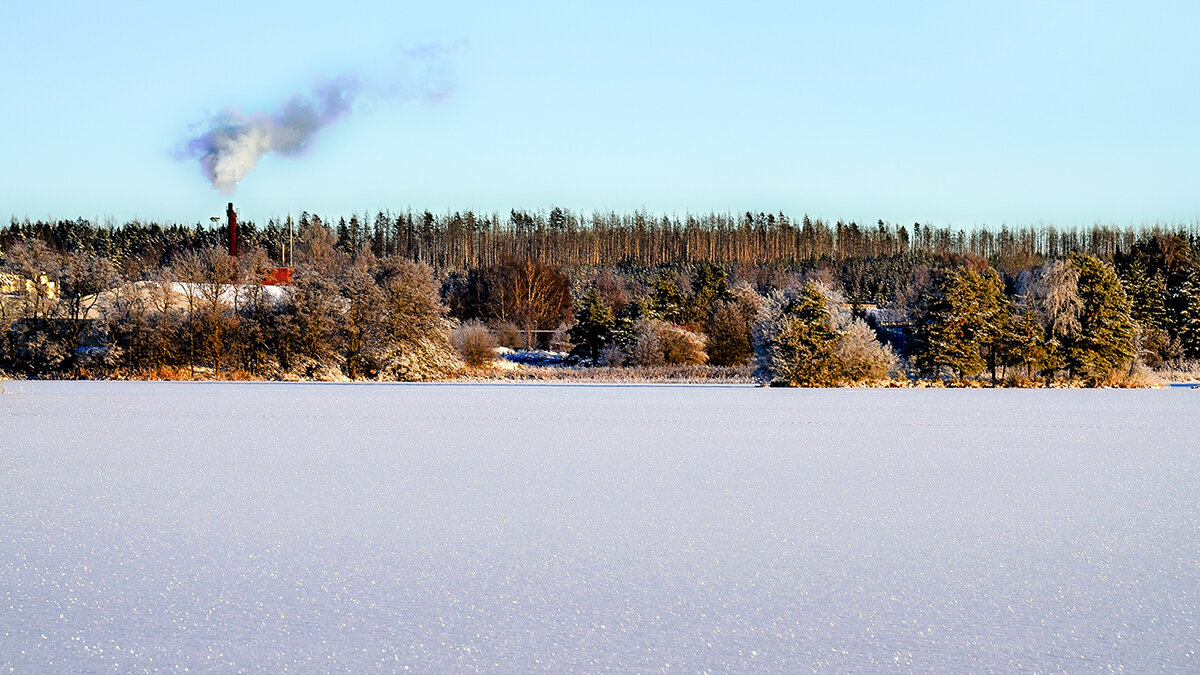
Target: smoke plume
[[233, 142]]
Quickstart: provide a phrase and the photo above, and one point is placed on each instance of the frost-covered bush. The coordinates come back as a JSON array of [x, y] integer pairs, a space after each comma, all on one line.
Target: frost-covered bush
[[862, 356], [612, 355], [417, 330], [658, 342], [509, 335], [423, 359], [560, 339], [474, 343], [681, 346], [647, 348]]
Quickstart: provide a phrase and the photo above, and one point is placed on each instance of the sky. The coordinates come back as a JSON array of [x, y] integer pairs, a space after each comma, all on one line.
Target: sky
[[968, 114]]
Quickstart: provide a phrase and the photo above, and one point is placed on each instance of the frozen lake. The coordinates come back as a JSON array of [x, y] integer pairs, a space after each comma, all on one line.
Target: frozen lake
[[318, 527]]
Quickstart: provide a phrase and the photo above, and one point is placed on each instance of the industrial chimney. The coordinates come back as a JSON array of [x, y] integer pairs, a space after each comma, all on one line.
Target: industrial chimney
[[232, 215]]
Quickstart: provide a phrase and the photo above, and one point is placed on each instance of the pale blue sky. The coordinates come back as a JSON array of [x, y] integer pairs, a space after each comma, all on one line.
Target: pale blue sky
[[962, 113]]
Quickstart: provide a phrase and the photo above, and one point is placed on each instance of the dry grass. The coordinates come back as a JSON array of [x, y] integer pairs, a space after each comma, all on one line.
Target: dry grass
[[177, 374], [666, 374], [678, 374], [1181, 372]]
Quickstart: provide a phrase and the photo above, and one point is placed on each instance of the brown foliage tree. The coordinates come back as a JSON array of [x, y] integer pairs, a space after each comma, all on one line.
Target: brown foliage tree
[[531, 294]]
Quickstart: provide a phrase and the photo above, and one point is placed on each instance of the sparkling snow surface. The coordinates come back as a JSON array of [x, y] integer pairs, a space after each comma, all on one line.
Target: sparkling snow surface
[[310, 527]]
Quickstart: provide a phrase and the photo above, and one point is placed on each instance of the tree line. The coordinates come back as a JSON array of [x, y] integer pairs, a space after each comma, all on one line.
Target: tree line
[[466, 240], [404, 297]]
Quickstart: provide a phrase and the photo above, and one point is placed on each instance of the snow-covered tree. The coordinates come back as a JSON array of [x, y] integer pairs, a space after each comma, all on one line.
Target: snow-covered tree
[[1052, 291], [1188, 300], [800, 341]]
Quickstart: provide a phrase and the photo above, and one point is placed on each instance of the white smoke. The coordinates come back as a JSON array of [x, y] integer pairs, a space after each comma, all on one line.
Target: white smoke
[[233, 142]]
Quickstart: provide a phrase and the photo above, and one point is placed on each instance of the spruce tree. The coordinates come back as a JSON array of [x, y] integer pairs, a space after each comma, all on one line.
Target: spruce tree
[[1106, 329], [708, 286], [593, 327], [797, 343], [1028, 347], [993, 316], [1147, 296], [950, 335], [625, 323], [1188, 298], [669, 302]]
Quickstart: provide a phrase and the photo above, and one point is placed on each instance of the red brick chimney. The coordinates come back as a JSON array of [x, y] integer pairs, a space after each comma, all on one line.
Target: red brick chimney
[[232, 215]]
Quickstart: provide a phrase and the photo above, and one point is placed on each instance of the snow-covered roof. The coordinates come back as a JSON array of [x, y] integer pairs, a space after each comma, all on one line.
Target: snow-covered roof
[[178, 295]]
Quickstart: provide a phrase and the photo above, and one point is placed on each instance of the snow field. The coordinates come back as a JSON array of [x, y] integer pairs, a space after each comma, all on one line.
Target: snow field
[[313, 527]]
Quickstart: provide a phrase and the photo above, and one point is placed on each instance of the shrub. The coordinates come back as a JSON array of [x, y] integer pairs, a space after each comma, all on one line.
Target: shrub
[[509, 335], [862, 357], [560, 339], [474, 343], [681, 346], [417, 345], [613, 356], [647, 348]]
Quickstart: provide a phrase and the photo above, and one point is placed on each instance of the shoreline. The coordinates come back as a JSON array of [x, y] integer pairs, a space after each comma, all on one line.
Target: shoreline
[[587, 377]]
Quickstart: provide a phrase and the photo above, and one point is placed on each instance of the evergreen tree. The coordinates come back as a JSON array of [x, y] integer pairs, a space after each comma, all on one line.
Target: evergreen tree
[[593, 327], [1148, 305], [343, 236], [951, 334], [1106, 329], [729, 335], [993, 316], [797, 344], [708, 286], [669, 302], [1028, 347], [1188, 299], [1147, 296], [625, 323]]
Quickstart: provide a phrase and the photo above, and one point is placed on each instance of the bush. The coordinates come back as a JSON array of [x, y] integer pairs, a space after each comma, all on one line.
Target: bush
[[647, 348], [474, 343], [658, 342], [560, 339], [417, 333], [509, 335], [424, 359], [863, 358], [613, 356], [681, 346]]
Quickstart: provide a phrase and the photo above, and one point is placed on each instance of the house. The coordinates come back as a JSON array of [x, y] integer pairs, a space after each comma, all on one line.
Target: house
[[11, 284]]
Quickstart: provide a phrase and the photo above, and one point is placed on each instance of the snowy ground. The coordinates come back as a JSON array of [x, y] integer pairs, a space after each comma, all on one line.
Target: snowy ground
[[317, 527]]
